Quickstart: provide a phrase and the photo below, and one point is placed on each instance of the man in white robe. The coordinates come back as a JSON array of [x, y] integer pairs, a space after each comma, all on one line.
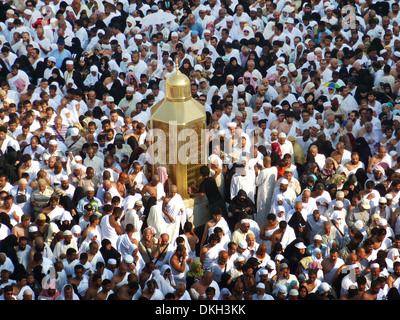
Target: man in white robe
[[289, 195], [266, 176], [246, 180]]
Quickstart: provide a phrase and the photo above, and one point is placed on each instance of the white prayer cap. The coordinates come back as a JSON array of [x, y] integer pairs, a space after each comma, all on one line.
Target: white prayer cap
[[284, 181], [317, 126], [365, 204], [89, 189], [241, 88], [229, 19], [174, 34], [393, 153], [260, 285], [388, 196], [112, 261], [279, 257], [271, 264], [76, 166], [382, 200], [263, 272], [139, 203], [290, 20], [280, 209], [324, 287], [382, 222], [282, 135], [53, 142], [396, 118], [358, 225], [300, 245], [110, 99], [243, 221], [78, 158], [67, 233], [339, 204], [28, 12], [130, 89], [125, 55], [28, 292], [282, 288], [213, 158], [64, 177], [46, 156], [291, 67], [52, 59], [69, 62], [293, 292], [238, 114], [243, 244], [240, 100], [76, 229], [317, 237], [240, 259], [74, 132], [374, 265], [48, 130], [339, 194], [128, 258]]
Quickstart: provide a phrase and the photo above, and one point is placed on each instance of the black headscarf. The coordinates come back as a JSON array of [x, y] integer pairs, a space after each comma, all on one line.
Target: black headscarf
[[109, 254], [8, 245], [60, 78], [218, 78], [76, 47], [296, 222], [238, 204], [147, 206], [363, 150]]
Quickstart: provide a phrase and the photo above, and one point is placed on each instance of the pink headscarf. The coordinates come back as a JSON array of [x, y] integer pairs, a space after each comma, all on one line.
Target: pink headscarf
[[162, 174], [253, 83]]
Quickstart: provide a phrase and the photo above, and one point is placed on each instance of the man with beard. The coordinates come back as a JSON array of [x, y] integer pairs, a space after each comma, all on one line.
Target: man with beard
[[128, 103], [41, 246]]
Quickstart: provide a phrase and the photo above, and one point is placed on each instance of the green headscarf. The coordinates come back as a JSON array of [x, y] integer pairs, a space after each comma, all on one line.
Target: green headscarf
[[193, 270]]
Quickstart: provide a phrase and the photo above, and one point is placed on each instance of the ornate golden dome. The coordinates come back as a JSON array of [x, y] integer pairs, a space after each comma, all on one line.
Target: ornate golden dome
[[177, 86]]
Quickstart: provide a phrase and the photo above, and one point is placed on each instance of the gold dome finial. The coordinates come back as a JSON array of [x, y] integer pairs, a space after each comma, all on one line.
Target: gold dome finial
[[177, 85]]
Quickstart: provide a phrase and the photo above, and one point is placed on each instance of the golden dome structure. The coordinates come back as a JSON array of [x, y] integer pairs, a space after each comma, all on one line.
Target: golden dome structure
[[177, 127]]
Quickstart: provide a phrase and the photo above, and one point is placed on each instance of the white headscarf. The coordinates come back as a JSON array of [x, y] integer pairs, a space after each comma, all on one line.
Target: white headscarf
[[92, 79], [62, 294], [210, 93]]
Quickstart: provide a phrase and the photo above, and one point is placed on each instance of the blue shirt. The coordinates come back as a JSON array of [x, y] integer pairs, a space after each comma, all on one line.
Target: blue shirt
[[60, 56]]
